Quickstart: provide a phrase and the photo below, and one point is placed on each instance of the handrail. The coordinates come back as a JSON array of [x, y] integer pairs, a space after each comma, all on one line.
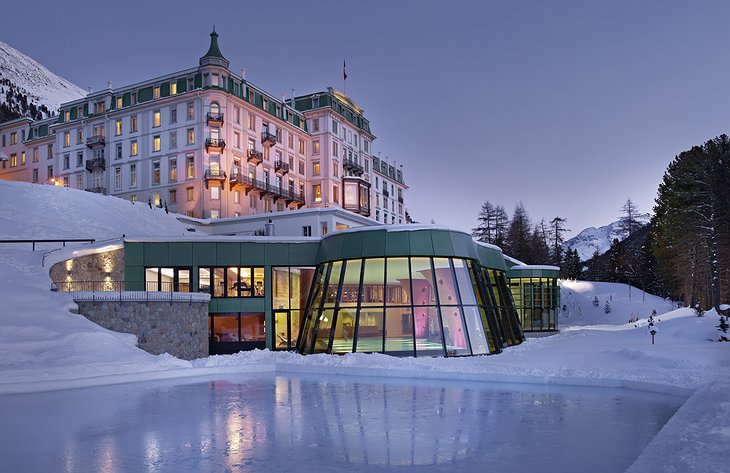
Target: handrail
[[139, 291], [64, 241]]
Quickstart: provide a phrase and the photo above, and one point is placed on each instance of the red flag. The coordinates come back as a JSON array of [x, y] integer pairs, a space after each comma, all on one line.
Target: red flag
[[344, 70]]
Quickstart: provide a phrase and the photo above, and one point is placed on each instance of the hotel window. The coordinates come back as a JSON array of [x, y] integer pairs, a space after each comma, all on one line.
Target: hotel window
[[190, 167], [173, 115], [134, 123], [334, 127], [366, 145], [14, 160], [173, 196], [236, 197], [315, 169], [236, 115], [301, 167], [317, 192], [307, 230], [315, 124], [119, 103], [335, 169], [251, 96], [132, 175], [50, 151], [315, 147], [133, 198], [117, 178], [99, 130], [191, 110], [367, 165], [22, 158], [79, 181], [65, 181], [215, 193], [173, 88], [99, 108], [155, 172], [79, 136], [336, 194], [79, 159], [155, 118], [265, 104], [173, 139], [66, 139], [118, 128], [119, 151], [156, 92], [301, 146], [66, 161], [156, 143], [191, 136], [67, 115], [156, 200], [49, 171], [335, 149], [35, 175], [237, 139], [232, 281], [189, 194], [291, 141], [173, 170], [134, 148], [252, 122], [267, 205], [36, 155]]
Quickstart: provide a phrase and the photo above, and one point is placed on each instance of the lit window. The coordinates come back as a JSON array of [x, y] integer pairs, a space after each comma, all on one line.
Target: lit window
[[215, 193], [22, 158], [173, 170], [315, 169], [119, 103], [315, 147], [191, 110], [156, 172], [66, 139], [317, 192], [134, 148], [191, 136], [173, 88], [134, 123], [156, 143], [189, 194], [190, 167], [251, 122], [156, 118], [156, 92], [118, 128], [336, 194]]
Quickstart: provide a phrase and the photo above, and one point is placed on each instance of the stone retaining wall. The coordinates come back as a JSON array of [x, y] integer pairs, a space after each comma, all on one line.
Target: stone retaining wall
[[179, 328], [96, 267]]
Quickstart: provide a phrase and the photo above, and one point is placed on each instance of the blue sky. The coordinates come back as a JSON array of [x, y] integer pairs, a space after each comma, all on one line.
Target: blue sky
[[569, 107]]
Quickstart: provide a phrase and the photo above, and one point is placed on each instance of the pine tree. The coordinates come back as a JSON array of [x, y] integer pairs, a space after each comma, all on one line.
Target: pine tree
[[607, 308], [631, 219], [572, 267], [722, 328], [557, 229], [518, 235]]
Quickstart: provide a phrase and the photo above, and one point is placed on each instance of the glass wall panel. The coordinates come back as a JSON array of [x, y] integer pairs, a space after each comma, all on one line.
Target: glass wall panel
[[429, 341], [225, 327], [183, 280], [219, 288], [295, 319], [454, 333], [422, 281], [281, 329], [492, 339], [399, 330], [370, 329], [477, 337], [253, 327], [167, 278], [280, 288], [204, 280], [301, 281], [258, 281], [324, 330], [233, 284], [463, 278], [351, 284], [372, 283], [398, 284], [333, 284], [344, 329], [246, 282], [444, 281], [151, 276]]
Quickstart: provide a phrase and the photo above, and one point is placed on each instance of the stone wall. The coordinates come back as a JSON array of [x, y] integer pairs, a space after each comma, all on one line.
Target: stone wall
[[179, 328], [96, 267]]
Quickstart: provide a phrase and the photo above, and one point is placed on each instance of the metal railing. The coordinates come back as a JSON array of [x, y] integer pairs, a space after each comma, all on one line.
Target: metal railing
[[215, 174], [215, 117], [253, 154], [59, 240], [281, 167], [95, 163], [353, 166], [96, 140], [263, 187], [137, 291], [214, 143], [268, 137], [97, 190]]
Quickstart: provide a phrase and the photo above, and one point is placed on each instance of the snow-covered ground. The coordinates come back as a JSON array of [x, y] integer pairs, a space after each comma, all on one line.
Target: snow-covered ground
[[45, 347]]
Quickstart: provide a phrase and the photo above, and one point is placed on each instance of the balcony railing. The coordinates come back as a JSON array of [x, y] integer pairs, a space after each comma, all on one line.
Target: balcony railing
[[400, 199], [353, 167], [129, 291], [215, 175], [217, 144], [250, 184], [268, 138], [385, 192], [97, 190], [95, 141], [281, 168], [254, 156], [214, 119], [96, 164]]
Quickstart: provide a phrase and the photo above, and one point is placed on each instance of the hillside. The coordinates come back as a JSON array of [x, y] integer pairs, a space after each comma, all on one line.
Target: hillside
[[592, 239], [27, 88]]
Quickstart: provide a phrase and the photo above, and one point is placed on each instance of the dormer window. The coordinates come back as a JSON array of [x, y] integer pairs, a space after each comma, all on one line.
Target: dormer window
[[315, 102], [156, 92]]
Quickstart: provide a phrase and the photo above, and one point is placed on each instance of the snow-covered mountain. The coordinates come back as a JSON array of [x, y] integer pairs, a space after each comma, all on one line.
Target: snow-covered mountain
[[594, 239], [22, 76]]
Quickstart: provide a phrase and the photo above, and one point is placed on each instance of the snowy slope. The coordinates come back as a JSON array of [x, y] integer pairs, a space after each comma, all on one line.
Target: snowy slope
[[593, 239], [625, 302], [41, 85]]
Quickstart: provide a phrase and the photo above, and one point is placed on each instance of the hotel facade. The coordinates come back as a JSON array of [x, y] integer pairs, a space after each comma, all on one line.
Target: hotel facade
[[206, 143]]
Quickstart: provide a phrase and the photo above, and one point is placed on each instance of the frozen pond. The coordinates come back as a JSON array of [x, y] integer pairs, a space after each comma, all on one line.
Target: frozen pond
[[277, 423]]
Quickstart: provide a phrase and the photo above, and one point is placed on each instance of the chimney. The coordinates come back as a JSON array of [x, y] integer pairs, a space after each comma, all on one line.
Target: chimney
[[269, 229], [90, 89], [292, 98], [109, 85], [243, 73]]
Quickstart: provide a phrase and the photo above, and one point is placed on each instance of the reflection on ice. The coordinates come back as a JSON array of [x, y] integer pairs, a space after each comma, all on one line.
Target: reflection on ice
[[268, 423]]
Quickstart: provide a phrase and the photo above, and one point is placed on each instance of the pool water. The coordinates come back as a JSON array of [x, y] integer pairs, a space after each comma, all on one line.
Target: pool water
[[277, 423]]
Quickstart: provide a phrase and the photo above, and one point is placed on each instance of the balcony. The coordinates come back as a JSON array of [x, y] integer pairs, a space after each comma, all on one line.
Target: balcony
[[97, 190], [385, 192], [214, 119], [268, 139], [254, 156], [281, 168], [215, 145], [250, 184], [214, 175], [354, 168], [95, 164], [96, 141], [400, 199]]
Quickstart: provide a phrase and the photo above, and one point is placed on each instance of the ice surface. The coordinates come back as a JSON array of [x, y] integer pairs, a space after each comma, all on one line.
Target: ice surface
[[270, 423]]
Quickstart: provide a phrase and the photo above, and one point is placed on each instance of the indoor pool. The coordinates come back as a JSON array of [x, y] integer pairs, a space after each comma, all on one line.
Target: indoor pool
[[277, 423]]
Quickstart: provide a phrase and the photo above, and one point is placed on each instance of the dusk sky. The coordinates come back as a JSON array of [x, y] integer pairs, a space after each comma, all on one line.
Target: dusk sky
[[569, 107]]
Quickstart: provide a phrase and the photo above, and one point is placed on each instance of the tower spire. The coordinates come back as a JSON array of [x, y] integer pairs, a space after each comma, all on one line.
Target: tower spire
[[214, 56]]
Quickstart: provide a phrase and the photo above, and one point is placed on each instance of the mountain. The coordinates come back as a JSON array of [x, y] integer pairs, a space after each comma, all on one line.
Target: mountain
[[594, 239], [27, 88]]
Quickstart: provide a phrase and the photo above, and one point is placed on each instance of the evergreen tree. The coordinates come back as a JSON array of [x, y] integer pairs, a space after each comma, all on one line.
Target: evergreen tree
[[519, 234], [607, 308], [722, 328], [631, 219], [572, 267], [557, 229]]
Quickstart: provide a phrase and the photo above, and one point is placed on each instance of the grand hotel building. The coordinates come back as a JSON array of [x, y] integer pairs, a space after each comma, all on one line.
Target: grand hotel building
[[207, 143]]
